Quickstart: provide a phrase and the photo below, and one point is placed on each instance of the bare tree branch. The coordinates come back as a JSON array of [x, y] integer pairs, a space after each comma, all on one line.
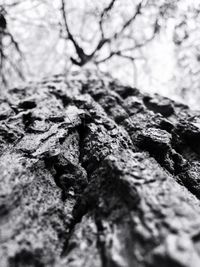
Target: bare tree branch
[[103, 14], [119, 54], [128, 22], [15, 43], [83, 58], [103, 41]]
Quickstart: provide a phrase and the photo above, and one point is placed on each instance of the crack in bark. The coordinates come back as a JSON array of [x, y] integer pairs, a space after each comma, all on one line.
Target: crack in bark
[[109, 195]]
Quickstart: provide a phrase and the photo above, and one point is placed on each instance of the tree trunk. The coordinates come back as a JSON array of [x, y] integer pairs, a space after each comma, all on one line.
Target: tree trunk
[[94, 174]]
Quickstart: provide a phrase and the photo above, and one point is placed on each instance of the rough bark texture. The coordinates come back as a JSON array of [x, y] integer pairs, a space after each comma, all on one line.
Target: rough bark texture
[[93, 173]]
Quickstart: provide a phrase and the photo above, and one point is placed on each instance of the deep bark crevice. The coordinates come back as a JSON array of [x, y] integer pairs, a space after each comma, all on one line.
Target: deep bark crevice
[[94, 173]]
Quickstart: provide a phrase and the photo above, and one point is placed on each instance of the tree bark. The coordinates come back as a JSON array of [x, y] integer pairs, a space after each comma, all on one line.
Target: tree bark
[[94, 173]]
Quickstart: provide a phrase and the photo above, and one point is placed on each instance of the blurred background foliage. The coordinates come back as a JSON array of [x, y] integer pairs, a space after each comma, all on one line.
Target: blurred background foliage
[[150, 44]]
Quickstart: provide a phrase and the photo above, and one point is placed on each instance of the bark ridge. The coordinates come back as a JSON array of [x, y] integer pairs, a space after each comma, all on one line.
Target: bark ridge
[[94, 173]]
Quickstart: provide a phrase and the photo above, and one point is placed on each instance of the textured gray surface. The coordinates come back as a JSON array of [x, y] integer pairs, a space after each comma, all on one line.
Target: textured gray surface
[[93, 173]]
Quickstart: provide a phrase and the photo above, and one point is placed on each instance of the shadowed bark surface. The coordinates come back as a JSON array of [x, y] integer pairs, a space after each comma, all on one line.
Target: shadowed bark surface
[[93, 173]]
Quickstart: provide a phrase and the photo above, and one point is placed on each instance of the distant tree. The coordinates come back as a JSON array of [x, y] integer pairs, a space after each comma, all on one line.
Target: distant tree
[[40, 38], [92, 32], [10, 53]]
